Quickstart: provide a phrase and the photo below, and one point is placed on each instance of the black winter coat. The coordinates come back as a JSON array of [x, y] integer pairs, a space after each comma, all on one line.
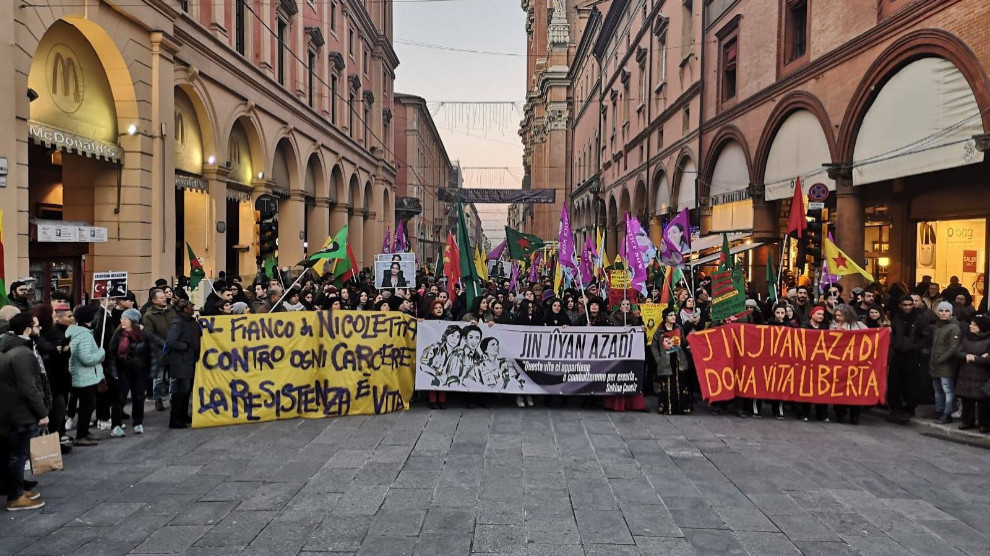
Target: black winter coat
[[973, 375], [183, 346], [139, 357], [22, 397], [911, 333]]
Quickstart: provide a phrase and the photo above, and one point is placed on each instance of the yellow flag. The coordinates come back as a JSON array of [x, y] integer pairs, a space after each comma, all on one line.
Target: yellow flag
[[479, 263], [320, 268], [558, 279], [840, 264]]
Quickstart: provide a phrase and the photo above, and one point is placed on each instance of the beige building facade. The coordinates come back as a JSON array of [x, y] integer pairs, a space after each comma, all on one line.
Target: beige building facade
[[137, 129]]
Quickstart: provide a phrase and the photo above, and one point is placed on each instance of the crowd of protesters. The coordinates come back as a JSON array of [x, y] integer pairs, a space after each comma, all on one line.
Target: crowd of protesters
[[90, 368]]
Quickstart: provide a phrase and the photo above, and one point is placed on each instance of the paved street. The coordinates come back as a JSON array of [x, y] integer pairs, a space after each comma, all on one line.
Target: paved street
[[511, 481]]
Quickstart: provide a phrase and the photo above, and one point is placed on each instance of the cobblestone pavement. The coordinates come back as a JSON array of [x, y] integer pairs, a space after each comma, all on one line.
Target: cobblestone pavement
[[515, 481]]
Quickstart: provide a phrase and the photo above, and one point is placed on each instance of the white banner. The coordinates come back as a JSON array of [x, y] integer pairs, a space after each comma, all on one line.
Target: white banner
[[509, 359]]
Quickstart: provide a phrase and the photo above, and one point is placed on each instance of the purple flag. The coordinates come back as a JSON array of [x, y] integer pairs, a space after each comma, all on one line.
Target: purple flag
[[827, 278], [588, 257], [634, 255], [387, 241], [401, 243], [496, 253], [566, 257], [534, 272], [676, 242], [515, 277]]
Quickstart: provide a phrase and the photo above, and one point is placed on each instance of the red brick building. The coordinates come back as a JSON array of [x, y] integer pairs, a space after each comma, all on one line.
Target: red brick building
[[886, 103]]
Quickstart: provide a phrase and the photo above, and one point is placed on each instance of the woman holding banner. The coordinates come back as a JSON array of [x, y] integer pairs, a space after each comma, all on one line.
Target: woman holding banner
[[671, 383], [633, 402], [437, 355], [846, 319]]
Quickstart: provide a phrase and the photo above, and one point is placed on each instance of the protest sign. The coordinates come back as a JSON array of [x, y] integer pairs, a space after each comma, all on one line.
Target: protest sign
[[109, 284], [728, 299], [396, 271], [507, 359], [846, 367], [652, 314], [304, 364]]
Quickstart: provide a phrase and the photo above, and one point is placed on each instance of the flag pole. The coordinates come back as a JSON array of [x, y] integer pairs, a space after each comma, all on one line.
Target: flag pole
[[784, 245], [287, 290]]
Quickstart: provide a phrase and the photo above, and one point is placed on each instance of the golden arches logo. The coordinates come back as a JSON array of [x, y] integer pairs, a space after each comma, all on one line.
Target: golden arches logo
[[66, 83]]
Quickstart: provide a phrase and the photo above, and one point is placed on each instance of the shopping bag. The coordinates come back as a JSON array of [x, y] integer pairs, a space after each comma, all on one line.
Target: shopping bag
[[46, 454]]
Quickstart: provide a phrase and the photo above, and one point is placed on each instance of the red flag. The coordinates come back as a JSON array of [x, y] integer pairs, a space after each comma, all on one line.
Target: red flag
[[451, 263], [797, 221]]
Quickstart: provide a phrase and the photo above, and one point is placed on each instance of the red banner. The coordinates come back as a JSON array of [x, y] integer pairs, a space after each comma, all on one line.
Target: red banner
[[792, 364]]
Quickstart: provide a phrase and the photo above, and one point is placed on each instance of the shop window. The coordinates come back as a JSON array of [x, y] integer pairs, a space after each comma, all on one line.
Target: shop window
[[239, 28], [281, 28], [728, 61], [795, 29], [947, 248]]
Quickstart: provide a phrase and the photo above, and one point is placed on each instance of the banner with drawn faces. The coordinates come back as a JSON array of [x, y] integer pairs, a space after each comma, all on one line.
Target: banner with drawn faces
[[508, 359]]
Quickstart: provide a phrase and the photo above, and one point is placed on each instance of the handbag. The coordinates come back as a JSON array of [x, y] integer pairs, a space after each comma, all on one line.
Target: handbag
[[46, 454]]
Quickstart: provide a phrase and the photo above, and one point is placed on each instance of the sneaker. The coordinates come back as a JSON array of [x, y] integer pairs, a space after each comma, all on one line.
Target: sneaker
[[24, 503], [85, 441], [70, 423], [945, 419], [103, 425], [529, 401], [520, 402], [32, 494], [65, 440], [138, 429], [117, 432]]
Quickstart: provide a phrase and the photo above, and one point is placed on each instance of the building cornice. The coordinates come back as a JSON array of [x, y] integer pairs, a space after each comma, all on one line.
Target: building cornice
[[608, 27]]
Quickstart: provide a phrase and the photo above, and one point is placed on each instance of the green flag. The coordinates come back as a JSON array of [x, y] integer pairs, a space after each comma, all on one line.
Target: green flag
[[335, 248], [469, 274], [196, 272], [521, 244], [438, 270], [771, 276]]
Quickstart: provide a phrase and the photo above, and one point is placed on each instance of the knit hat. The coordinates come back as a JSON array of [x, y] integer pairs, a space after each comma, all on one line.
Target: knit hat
[[983, 322], [816, 309], [752, 303], [944, 306], [132, 315], [238, 308], [84, 314]]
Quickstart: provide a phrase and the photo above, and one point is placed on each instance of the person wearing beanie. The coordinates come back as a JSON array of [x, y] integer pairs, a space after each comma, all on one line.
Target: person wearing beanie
[[86, 367], [816, 321], [130, 362], [974, 372], [907, 379], [240, 308], [944, 365]]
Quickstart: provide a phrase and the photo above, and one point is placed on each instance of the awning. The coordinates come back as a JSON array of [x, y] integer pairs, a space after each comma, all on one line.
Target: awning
[[799, 149], [922, 120], [733, 250], [714, 240]]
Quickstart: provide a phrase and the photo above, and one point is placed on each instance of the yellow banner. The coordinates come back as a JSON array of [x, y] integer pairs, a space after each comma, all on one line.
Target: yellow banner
[[303, 364], [652, 318]]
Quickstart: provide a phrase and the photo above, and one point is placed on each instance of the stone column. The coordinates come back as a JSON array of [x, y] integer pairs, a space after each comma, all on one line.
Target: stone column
[[338, 217], [158, 171], [372, 237], [849, 232], [355, 234], [291, 218], [318, 224]]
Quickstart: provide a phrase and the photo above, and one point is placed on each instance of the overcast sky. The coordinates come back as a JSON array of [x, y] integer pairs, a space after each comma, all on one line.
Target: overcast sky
[[479, 136]]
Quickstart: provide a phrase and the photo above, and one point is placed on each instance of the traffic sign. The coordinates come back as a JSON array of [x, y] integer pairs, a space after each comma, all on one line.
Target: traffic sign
[[818, 192], [816, 205]]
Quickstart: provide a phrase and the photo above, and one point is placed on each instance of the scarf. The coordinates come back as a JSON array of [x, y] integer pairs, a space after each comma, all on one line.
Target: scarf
[[290, 307], [127, 337]]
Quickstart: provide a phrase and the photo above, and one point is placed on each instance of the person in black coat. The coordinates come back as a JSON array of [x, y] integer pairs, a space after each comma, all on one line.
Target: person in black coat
[[131, 363], [528, 314], [182, 345], [910, 343]]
